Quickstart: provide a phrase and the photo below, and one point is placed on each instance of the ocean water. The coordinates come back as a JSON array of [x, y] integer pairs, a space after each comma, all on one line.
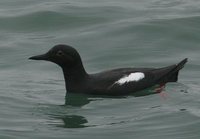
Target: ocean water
[[108, 34]]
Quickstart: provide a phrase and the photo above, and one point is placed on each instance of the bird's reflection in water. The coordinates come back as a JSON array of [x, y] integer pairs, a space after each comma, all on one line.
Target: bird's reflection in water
[[69, 118], [72, 120], [77, 100]]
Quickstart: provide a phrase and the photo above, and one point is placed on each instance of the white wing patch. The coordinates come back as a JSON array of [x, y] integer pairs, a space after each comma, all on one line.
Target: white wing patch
[[133, 77]]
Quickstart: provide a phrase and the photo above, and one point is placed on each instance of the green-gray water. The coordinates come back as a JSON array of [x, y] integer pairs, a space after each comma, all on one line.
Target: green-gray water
[[108, 34]]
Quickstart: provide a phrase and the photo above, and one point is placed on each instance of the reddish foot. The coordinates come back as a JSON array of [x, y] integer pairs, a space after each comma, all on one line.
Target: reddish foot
[[160, 91]]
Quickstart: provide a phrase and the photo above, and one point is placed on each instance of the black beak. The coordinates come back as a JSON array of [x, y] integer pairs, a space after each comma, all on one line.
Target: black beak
[[39, 57]]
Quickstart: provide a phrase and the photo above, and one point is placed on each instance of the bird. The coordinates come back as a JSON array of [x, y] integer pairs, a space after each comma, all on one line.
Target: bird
[[114, 82]]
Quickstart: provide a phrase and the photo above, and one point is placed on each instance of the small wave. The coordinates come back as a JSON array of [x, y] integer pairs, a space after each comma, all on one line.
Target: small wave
[[45, 20]]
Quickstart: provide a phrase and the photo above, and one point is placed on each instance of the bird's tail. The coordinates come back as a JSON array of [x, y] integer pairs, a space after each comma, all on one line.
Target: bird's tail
[[173, 75], [170, 73], [181, 64]]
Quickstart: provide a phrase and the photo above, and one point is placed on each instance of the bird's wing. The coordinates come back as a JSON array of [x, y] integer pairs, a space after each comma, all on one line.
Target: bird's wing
[[129, 79], [138, 79], [133, 81], [118, 81]]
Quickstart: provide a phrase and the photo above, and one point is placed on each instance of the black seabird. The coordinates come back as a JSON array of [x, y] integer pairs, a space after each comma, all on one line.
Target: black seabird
[[121, 81]]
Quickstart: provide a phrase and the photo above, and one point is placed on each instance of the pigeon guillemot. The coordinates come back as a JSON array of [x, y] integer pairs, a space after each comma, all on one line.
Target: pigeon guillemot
[[121, 81]]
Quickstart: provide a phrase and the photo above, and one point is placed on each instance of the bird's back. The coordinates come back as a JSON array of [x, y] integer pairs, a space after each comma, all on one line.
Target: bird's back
[[129, 80], [107, 82]]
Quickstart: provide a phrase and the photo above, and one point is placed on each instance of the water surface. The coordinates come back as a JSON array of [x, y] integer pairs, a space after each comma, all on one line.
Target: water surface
[[108, 34]]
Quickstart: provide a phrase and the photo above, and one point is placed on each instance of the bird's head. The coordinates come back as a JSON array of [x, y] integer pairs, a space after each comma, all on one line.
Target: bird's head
[[63, 55]]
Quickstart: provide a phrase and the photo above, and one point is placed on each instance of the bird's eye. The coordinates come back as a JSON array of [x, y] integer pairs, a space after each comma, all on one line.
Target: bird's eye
[[59, 53]]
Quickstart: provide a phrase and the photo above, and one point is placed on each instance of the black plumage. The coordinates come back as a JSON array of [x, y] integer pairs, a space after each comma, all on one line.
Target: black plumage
[[77, 80]]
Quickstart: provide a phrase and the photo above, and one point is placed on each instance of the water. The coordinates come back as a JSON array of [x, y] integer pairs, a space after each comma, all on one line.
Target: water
[[108, 34]]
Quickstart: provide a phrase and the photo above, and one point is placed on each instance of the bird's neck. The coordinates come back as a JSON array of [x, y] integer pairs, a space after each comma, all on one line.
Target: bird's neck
[[74, 77]]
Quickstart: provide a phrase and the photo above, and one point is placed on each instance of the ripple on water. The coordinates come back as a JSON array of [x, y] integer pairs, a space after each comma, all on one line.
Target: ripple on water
[[108, 34]]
